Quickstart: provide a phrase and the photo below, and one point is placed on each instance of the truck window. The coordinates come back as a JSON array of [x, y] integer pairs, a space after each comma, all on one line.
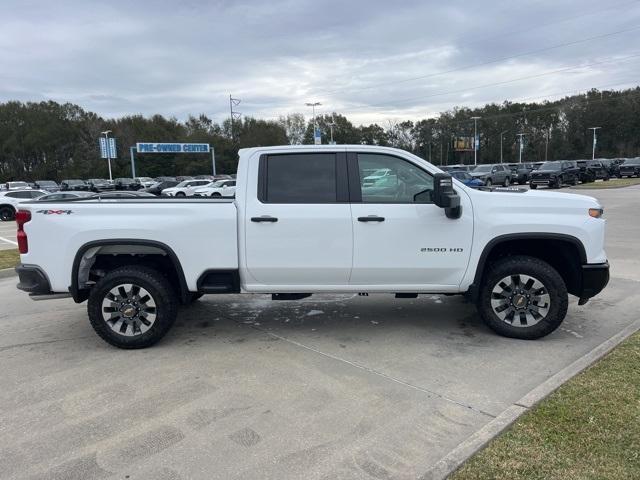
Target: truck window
[[301, 178], [402, 179]]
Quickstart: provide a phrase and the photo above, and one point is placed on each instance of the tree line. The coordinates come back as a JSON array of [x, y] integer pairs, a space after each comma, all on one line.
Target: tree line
[[50, 140]]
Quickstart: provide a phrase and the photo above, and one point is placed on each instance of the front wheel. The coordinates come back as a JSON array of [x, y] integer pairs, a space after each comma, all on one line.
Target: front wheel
[[180, 194], [522, 297], [533, 186], [132, 307], [487, 183], [507, 182]]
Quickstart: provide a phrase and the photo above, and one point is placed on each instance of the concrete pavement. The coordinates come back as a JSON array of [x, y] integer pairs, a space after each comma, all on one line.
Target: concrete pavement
[[8, 236], [334, 386]]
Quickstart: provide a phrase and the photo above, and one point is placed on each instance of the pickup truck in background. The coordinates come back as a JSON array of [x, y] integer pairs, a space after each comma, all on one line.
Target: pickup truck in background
[[309, 219]]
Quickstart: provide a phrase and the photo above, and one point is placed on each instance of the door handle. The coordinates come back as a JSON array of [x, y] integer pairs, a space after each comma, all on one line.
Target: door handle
[[265, 218], [371, 218]]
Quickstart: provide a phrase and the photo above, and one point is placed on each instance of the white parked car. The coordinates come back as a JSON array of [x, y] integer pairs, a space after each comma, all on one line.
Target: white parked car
[[303, 222], [10, 199], [184, 189], [18, 186], [146, 182], [376, 176], [221, 188]]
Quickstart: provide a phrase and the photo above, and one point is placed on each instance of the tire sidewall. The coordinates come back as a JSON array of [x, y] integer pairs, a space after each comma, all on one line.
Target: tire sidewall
[[157, 286], [533, 267]]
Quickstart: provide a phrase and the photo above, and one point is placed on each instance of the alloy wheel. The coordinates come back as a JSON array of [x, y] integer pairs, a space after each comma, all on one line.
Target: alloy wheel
[[520, 300], [129, 309]]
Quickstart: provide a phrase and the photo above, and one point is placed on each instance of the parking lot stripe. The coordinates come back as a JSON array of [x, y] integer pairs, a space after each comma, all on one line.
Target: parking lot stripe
[[9, 241]]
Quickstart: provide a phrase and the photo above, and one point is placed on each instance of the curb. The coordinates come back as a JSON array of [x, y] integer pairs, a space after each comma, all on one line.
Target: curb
[[7, 273], [474, 443]]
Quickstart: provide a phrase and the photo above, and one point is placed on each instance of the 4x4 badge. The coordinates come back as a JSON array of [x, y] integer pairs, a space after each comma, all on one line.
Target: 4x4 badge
[[55, 212]]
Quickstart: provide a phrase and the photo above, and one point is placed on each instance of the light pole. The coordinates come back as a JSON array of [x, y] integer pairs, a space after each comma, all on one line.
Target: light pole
[[313, 106], [501, 134], [106, 141], [593, 150], [520, 135], [546, 145], [475, 139]]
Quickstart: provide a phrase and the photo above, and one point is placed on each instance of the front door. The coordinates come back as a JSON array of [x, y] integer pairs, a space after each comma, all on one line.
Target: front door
[[401, 243], [298, 225]]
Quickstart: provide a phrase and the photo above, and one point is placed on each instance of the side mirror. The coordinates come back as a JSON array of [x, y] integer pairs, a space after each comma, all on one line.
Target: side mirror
[[444, 196]]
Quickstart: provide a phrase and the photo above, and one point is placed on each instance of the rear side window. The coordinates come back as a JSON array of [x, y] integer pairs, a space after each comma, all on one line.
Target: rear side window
[[299, 178], [25, 194]]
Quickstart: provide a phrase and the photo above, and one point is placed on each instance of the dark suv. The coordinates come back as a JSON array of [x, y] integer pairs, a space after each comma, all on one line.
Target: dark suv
[[555, 174], [99, 185], [127, 184], [592, 170], [492, 174], [73, 185], [520, 172], [630, 168]]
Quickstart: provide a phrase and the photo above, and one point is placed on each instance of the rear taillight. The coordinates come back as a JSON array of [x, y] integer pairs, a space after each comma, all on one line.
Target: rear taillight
[[22, 217]]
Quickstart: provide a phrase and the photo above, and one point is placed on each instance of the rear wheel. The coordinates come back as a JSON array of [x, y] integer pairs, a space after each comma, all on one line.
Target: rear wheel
[[7, 213], [132, 307], [216, 195], [180, 194], [522, 297]]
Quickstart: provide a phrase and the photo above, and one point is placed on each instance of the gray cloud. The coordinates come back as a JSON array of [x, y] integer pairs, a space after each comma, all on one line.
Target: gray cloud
[[173, 58]]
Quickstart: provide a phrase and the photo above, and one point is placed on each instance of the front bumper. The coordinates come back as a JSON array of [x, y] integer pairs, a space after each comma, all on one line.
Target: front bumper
[[595, 276], [541, 181]]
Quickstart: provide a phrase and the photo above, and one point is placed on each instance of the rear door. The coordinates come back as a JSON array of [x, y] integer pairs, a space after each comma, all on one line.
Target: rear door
[[398, 243], [298, 226]]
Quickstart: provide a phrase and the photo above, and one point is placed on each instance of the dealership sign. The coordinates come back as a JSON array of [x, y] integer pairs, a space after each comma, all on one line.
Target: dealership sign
[[172, 147]]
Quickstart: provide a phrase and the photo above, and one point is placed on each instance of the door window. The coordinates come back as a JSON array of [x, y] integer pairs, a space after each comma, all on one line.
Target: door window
[[388, 179], [300, 178]]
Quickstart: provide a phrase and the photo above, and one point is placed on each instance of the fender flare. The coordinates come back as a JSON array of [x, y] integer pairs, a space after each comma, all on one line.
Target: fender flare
[[80, 295]]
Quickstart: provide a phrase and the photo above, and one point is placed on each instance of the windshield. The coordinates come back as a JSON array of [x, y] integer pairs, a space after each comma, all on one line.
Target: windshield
[[45, 183], [18, 184], [633, 161], [483, 168], [145, 179], [74, 182], [461, 175], [96, 180], [549, 166]]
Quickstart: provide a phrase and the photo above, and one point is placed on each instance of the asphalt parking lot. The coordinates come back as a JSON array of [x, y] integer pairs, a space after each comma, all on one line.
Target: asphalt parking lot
[[8, 235], [334, 386]]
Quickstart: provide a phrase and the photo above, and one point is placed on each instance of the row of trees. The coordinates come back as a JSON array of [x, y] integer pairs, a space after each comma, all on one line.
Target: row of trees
[[54, 141]]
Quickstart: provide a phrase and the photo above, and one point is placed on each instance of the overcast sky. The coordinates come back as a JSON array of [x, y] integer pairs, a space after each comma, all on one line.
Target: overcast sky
[[369, 60]]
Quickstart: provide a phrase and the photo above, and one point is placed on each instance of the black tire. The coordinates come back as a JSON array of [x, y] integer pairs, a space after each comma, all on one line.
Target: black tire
[[507, 182], [180, 194], [216, 195], [488, 183], [7, 213], [606, 179], [533, 186], [158, 288], [554, 289]]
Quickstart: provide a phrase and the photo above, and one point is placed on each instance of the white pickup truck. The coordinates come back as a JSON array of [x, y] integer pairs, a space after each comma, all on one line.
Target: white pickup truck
[[304, 221]]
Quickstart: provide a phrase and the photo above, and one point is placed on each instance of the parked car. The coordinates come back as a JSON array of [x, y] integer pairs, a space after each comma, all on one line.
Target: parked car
[[492, 174], [165, 179], [17, 186], [126, 183], [554, 174], [211, 178], [182, 178], [612, 165], [521, 172], [11, 199], [592, 170], [459, 167], [46, 185], [156, 188], [73, 185], [374, 176], [64, 196], [466, 178], [185, 188], [630, 168], [221, 188], [99, 185], [123, 194], [146, 182], [502, 249]]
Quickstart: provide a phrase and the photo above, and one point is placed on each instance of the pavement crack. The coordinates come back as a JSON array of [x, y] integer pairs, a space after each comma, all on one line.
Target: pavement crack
[[18, 345], [372, 371]]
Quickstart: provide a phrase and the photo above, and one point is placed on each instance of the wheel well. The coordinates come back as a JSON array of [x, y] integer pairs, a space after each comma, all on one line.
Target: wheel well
[[565, 254], [3, 205], [95, 260]]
